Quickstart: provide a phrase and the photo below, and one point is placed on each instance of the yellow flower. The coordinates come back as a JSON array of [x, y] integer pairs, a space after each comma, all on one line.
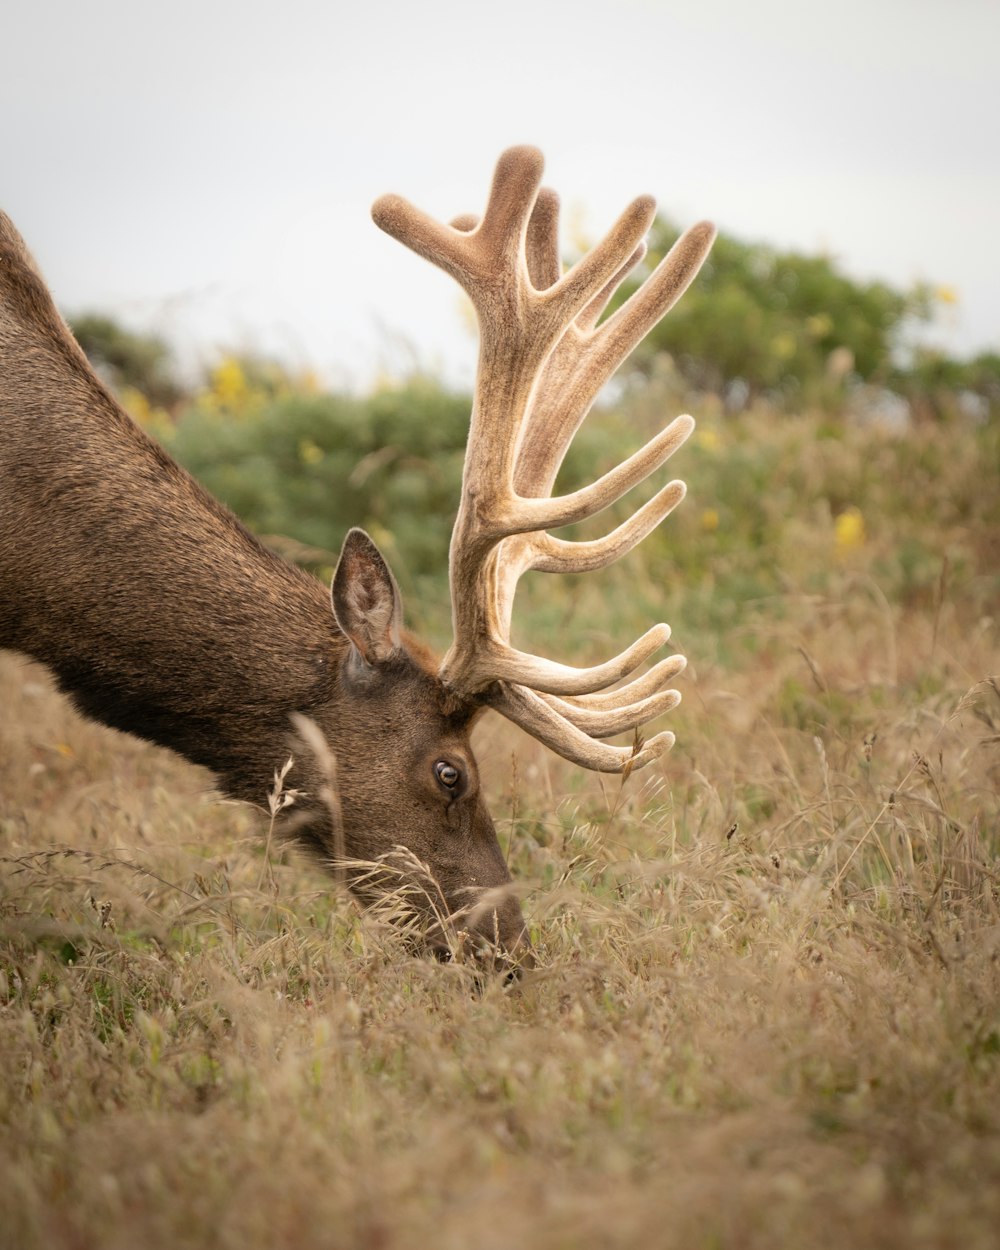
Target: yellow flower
[[946, 294], [229, 383], [710, 519], [136, 405], [309, 452], [141, 411], [708, 439], [849, 531], [819, 325]]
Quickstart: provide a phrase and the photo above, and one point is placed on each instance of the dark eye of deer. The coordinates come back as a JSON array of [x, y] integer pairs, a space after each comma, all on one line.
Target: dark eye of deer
[[447, 774]]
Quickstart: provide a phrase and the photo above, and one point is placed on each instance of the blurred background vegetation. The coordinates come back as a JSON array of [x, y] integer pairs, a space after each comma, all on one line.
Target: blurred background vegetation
[[833, 445], [796, 331]]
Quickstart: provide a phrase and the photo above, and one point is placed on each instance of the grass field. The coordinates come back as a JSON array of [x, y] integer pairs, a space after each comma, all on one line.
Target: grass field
[[767, 1006]]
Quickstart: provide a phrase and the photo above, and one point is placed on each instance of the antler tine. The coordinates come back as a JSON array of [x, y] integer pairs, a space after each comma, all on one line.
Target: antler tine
[[558, 510], [511, 200], [605, 724], [635, 691], [556, 555], [630, 324], [497, 660], [541, 244], [442, 245], [472, 256], [543, 358], [585, 358], [590, 276], [549, 726], [590, 315]]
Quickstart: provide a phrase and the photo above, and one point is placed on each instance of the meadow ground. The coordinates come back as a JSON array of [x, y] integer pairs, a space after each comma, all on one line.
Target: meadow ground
[[767, 1006]]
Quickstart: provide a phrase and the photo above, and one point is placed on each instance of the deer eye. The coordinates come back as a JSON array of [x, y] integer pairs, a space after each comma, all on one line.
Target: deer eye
[[447, 774]]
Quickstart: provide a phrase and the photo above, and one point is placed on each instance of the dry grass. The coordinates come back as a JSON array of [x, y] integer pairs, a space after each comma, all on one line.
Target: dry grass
[[767, 1011]]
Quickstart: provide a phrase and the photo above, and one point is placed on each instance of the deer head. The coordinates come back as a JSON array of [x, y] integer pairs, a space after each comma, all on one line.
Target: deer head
[[162, 616]]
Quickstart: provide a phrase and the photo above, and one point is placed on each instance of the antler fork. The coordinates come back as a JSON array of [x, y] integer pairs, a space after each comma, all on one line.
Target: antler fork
[[543, 359]]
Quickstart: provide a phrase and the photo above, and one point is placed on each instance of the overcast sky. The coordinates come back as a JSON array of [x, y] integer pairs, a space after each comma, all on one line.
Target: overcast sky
[[207, 169]]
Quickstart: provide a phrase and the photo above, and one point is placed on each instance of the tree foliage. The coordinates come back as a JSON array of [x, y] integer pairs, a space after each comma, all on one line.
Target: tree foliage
[[780, 323]]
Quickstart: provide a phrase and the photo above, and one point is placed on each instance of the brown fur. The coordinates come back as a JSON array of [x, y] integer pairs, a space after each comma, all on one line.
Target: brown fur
[[161, 615]]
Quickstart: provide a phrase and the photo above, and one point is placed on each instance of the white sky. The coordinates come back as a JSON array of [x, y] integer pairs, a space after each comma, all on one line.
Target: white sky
[[206, 168]]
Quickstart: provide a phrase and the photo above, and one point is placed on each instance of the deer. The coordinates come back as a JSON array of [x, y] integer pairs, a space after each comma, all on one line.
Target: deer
[[159, 613]]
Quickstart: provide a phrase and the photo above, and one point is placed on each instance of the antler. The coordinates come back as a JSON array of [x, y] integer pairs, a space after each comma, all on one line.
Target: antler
[[543, 359]]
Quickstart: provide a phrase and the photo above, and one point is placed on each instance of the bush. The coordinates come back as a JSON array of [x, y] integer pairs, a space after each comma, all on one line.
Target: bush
[[782, 324], [129, 361], [307, 467], [806, 503]]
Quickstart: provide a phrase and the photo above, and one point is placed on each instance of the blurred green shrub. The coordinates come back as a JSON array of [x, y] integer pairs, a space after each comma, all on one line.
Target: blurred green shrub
[[812, 505], [306, 467], [804, 506], [141, 363], [759, 321]]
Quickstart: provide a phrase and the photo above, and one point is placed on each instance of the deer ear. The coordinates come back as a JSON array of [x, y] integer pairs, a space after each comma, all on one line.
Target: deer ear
[[365, 597]]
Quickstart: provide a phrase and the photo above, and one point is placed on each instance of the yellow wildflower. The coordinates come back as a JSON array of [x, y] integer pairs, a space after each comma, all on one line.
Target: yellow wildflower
[[849, 531], [708, 439], [136, 405], [229, 384], [309, 452]]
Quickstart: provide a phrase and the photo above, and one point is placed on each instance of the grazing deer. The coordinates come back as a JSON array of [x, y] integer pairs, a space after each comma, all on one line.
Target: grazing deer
[[161, 615]]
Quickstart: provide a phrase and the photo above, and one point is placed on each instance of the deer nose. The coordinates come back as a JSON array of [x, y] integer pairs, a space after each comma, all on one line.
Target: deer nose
[[506, 943], [523, 955]]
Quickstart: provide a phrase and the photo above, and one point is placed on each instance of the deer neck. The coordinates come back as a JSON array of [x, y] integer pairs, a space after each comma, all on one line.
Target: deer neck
[[157, 611]]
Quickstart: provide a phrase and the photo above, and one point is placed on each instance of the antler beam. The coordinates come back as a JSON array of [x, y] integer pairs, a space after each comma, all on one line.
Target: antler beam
[[544, 356]]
